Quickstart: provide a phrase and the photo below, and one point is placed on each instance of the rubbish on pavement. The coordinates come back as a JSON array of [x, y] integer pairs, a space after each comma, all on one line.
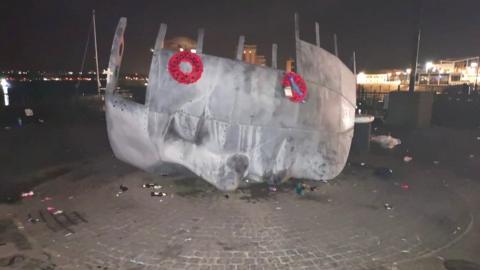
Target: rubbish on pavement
[[28, 194], [405, 186], [300, 189], [51, 209], [386, 142], [28, 112], [41, 121], [407, 159], [158, 194], [58, 212], [471, 156], [47, 199], [436, 162], [388, 206], [362, 164], [383, 172], [32, 220], [149, 185], [123, 188], [68, 234]]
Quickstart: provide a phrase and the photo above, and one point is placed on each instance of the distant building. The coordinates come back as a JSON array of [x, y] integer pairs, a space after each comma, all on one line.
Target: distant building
[[250, 55], [432, 76], [290, 65], [180, 43], [260, 60]]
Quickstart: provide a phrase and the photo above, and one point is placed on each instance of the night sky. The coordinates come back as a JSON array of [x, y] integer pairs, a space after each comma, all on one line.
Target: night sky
[[51, 34]]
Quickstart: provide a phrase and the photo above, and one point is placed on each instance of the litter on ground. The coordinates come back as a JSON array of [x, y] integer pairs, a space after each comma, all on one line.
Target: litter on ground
[[386, 141]]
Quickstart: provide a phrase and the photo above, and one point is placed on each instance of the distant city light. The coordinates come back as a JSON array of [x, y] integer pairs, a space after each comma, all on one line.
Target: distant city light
[[5, 85], [474, 64], [193, 51], [408, 70], [181, 49], [361, 78], [428, 66]]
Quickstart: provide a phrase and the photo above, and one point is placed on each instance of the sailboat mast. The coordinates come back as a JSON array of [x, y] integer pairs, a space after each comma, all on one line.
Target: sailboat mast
[[96, 51]]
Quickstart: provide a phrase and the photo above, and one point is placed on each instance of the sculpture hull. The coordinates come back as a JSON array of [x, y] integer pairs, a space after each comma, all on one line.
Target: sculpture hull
[[235, 123]]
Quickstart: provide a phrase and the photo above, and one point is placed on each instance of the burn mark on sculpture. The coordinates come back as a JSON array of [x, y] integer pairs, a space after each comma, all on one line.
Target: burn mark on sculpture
[[235, 122]]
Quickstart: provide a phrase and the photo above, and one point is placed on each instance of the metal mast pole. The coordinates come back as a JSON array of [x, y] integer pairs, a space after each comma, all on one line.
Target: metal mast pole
[[414, 63], [354, 64], [96, 51], [476, 76]]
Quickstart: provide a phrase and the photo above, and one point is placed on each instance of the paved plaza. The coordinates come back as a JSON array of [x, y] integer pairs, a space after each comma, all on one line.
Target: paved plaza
[[420, 217]]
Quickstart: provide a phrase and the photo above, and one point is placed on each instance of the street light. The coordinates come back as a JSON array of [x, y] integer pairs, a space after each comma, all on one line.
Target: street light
[[5, 85], [428, 66]]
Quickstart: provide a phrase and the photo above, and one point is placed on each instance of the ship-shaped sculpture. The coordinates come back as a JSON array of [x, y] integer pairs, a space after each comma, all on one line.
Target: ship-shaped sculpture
[[235, 123]]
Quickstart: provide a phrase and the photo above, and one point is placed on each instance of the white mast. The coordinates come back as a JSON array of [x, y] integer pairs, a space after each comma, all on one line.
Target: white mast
[[96, 51]]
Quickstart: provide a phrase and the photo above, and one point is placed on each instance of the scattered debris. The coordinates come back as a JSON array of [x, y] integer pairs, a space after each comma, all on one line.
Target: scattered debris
[[32, 220], [386, 142], [405, 186], [407, 159], [388, 206], [157, 194], [362, 164], [58, 212], [152, 185], [300, 189], [436, 162], [278, 208], [46, 199], [471, 156], [41, 121], [19, 225], [28, 112], [68, 234], [70, 197], [28, 194], [383, 172], [187, 239], [123, 188]]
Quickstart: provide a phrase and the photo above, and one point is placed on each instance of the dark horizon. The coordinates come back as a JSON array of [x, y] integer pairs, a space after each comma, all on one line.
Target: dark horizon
[[52, 36]]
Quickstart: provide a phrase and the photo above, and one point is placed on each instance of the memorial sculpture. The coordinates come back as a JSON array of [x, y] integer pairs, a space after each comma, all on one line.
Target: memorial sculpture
[[233, 123]]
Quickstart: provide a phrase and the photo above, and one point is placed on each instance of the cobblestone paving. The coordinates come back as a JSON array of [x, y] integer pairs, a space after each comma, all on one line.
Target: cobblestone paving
[[341, 225]]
